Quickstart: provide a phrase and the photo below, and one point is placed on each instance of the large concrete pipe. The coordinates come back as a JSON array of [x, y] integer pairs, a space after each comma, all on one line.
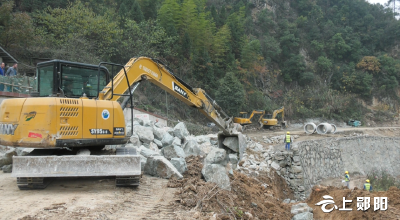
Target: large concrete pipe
[[333, 128], [324, 128], [310, 128]]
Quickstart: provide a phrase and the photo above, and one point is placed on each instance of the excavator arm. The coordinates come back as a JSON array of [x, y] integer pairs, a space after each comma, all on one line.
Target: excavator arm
[[144, 68], [276, 112]]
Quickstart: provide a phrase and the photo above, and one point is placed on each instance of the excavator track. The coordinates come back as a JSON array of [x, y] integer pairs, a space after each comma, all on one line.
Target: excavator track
[[27, 183], [126, 180]]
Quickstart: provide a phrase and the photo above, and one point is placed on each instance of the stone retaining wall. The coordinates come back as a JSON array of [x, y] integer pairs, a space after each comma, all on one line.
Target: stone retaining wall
[[313, 161]]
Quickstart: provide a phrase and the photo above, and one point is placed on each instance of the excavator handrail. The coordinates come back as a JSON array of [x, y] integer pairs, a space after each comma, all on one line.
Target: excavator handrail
[[153, 70], [112, 84]]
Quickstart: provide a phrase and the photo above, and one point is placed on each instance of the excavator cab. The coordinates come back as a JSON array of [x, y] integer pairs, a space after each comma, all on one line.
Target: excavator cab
[[70, 79]]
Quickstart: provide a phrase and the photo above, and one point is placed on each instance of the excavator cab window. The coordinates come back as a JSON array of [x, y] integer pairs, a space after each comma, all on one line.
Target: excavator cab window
[[267, 116], [46, 80], [72, 79], [244, 115], [77, 80]]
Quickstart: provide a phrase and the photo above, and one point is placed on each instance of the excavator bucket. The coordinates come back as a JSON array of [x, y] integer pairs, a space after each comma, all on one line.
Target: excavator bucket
[[235, 143]]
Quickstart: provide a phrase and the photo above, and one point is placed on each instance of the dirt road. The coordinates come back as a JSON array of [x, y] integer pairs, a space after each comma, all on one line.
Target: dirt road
[[86, 198], [258, 135]]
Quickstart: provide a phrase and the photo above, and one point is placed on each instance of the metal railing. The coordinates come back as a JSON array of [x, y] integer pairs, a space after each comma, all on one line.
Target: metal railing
[[17, 84]]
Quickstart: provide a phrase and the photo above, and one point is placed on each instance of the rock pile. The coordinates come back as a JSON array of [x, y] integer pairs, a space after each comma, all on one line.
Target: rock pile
[[277, 139], [302, 211], [6, 154], [163, 151], [286, 163]]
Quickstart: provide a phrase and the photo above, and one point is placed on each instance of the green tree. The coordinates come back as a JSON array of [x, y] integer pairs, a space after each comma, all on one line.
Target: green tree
[[230, 94], [250, 53], [337, 47], [154, 41], [60, 25], [324, 65], [293, 68], [270, 48], [16, 29], [169, 16]]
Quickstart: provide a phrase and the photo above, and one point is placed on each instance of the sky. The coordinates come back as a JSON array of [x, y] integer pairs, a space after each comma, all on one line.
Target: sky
[[382, 2]]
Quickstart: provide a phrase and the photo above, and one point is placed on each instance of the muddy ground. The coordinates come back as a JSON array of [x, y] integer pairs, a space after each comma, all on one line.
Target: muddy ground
[[98, 198]]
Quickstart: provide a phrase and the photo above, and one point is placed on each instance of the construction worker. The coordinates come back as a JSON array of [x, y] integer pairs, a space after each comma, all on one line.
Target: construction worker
[[287, 140], [367, 186], [347, 179]]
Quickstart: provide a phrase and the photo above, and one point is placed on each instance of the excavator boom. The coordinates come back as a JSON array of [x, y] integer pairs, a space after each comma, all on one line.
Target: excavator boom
[[144, 68]]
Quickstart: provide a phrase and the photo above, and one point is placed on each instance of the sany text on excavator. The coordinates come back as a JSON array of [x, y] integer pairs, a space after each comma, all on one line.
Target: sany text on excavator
[[76, 108]]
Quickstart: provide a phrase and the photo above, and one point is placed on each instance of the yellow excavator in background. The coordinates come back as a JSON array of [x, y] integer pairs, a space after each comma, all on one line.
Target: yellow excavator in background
[[245, 119], [270, 121], [76, 108]]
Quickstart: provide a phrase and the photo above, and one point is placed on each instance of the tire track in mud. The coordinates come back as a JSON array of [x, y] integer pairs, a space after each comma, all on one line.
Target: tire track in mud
[[151, 200]]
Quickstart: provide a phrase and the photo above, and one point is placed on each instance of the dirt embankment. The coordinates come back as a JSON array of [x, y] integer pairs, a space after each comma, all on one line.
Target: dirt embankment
[[392, 212], [260, 197]]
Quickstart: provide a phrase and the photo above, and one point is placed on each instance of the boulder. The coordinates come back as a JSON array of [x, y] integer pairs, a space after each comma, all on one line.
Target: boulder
[[213, 139], [232, 143], [167, 140], [143, 161], [159, 166], [192, 148], [138, 120], [216, 173], [234, 160], [217, 156], [275, 165], [180, 130], [242, 144], [173, 151], [177, 141], [159, 133], [297, 169], [154, 147], [23, 151], [147, 152], [179, 164], [145, 133], [300, 208], [6, 159], [7, 168], [169, 130], [202, 139], [158, 143], [206, 148], [148, 123], [303, 216], [158, 125]]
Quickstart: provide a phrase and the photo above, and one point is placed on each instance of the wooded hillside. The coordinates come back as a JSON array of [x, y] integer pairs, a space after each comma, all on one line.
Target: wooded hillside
[[318, 58]]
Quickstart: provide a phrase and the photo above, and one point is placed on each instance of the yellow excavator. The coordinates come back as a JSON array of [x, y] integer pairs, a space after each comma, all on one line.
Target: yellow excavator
[[245, 119], [75, 108], [270, 121]]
